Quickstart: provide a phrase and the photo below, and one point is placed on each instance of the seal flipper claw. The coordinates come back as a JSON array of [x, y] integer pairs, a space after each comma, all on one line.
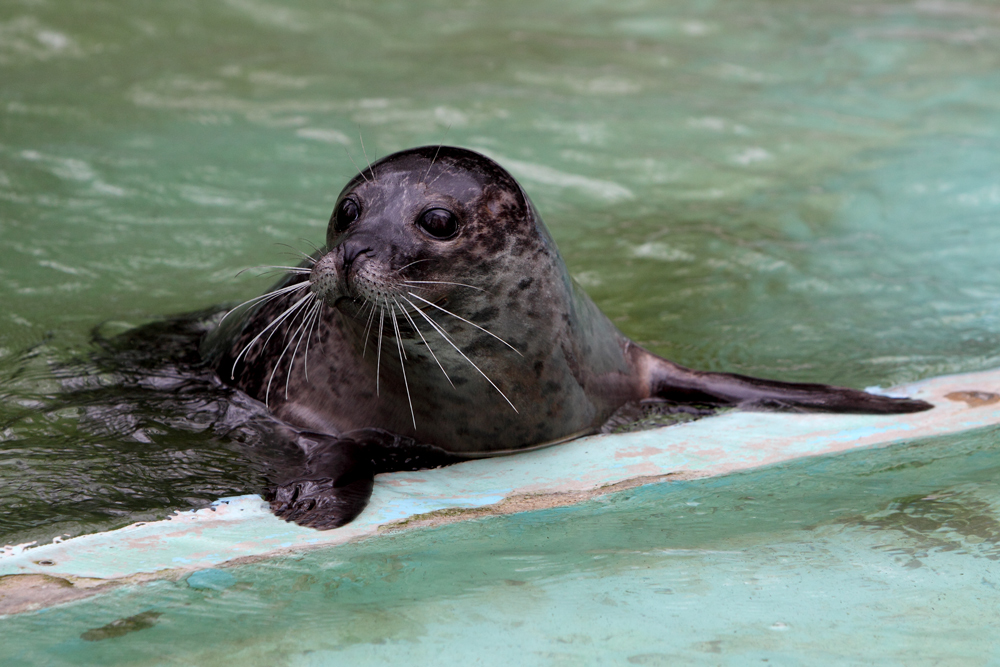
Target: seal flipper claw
[[337, 478], [332, 488], [320, 503]]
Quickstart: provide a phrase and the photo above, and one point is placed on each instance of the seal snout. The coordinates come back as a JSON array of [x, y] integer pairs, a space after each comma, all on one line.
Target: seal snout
[[351, 271], [326, 279], [373, 280]]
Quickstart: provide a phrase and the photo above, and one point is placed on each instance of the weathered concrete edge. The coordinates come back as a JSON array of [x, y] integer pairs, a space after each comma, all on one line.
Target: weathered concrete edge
[[29, 592], [240, 530]]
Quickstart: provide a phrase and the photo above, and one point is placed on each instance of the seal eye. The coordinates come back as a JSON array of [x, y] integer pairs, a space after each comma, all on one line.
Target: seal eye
[[439, 223], [346, 213]]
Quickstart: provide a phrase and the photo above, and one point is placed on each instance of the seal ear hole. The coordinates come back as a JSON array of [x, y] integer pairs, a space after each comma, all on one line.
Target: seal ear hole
[[347, 212], [439, 223]]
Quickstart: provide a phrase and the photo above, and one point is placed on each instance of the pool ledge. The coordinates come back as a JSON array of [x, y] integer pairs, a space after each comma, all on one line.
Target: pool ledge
[[235, 530]]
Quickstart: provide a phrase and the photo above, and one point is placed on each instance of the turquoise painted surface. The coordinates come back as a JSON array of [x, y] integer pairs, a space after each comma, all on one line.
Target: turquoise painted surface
[[803, 190], [885, 556]]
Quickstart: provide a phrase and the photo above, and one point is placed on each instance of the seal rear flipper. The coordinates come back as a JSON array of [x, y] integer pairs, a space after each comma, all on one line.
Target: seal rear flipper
[[335, 483], [671, 382]]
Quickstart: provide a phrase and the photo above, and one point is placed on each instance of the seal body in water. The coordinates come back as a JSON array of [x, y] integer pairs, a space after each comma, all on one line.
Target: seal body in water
[[441, 324]]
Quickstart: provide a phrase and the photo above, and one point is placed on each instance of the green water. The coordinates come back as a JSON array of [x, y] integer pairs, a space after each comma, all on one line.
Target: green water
[[801, 190]]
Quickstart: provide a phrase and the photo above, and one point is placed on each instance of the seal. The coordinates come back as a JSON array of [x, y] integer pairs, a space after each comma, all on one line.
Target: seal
[[440, 325]]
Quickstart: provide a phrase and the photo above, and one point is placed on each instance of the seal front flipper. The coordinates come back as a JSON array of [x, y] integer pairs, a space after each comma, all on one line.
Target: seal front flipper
[[672, 382], [332, 487], [334, 484]]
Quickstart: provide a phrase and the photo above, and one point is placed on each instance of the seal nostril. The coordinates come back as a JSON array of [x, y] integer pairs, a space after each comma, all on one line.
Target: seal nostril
[[352, 251]]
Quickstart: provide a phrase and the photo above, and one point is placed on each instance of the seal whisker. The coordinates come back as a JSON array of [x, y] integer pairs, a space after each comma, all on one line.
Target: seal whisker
[[264, 298], [313, 246], [289, 269], [441, 282], [403, 268], [395, 324], [312, 327], [300, 332], [459, 317], [288, 312], [378, 361], [301, 311], [426, 344], [356, 164], [444, 335], [272, 328], [362, 140], [307, 257], [283, 271], [434, 159], [274, 323], [371, 316], [301, 256], [277, 363], [402, 365]]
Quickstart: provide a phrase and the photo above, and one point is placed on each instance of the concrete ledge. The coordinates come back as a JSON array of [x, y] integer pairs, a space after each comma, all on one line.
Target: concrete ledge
[[239, 529]]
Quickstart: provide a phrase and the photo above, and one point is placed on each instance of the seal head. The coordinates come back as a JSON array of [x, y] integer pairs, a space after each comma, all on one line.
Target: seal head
[[451, 291]]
